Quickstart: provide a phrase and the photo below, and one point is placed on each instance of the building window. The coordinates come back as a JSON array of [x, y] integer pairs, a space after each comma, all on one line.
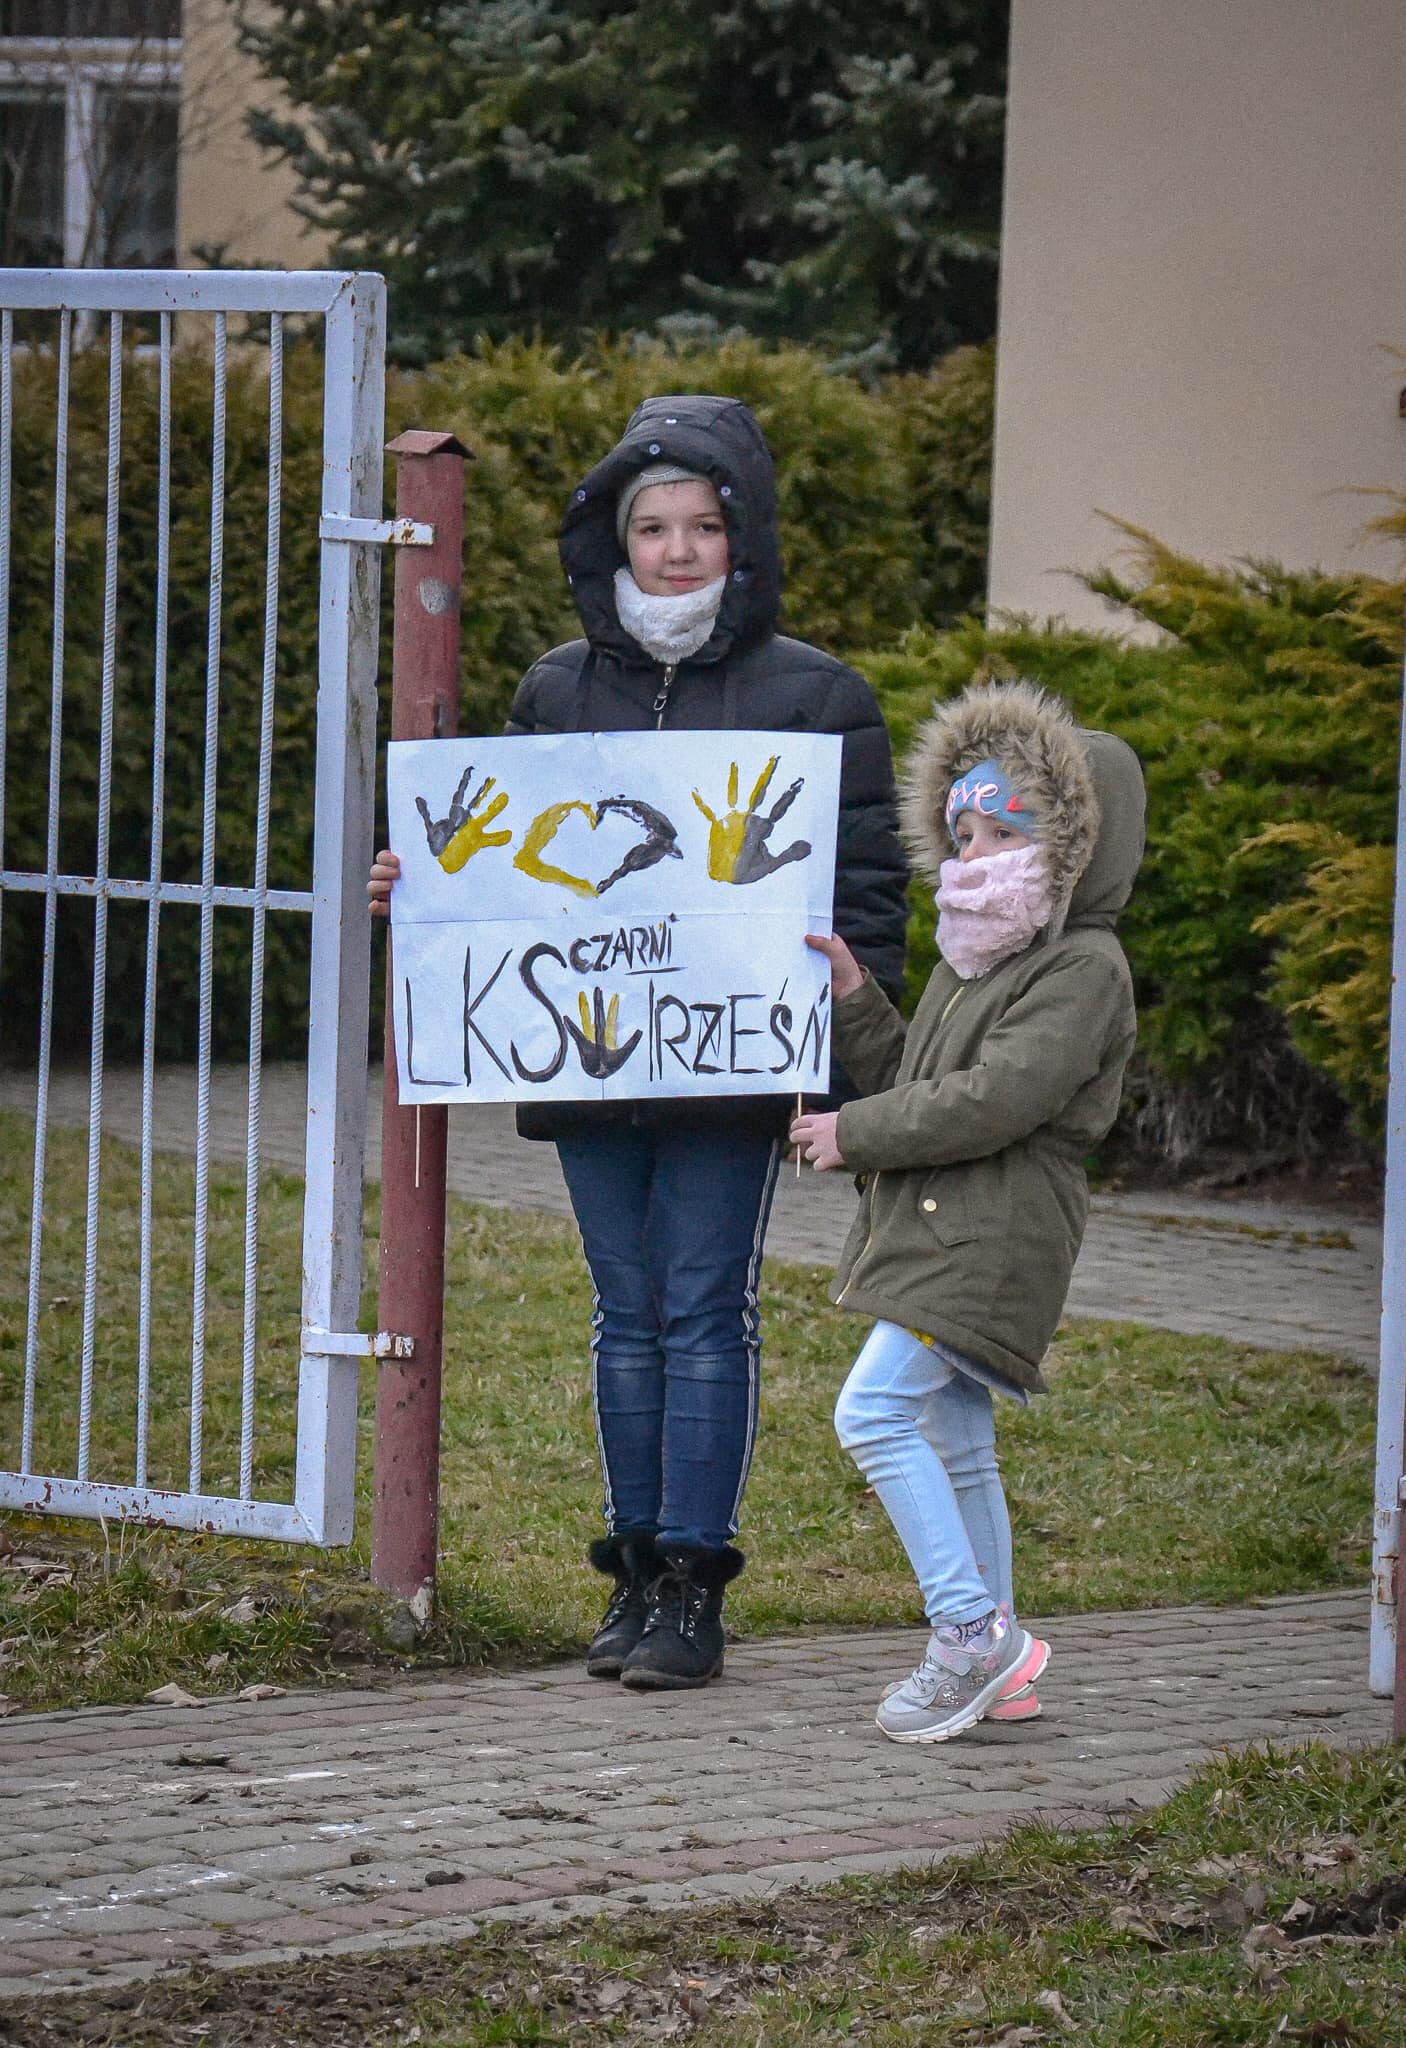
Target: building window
[[89, 122]]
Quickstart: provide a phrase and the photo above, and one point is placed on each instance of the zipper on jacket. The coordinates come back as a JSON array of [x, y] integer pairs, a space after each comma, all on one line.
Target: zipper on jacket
[[661, 702], [868, 1239]]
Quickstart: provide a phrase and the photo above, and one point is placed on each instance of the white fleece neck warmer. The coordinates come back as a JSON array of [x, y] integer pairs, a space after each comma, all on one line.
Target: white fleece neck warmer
[[668, 628], [991, 907]]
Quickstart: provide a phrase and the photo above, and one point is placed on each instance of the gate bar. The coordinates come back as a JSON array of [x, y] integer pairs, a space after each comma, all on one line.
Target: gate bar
[[100, 904], [153, 909], [424, 705], [273, 543], [7, 409], [51, 901], [214, 626]]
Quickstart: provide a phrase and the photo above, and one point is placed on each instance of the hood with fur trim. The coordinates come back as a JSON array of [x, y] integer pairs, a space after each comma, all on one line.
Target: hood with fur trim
[[1085, 788]]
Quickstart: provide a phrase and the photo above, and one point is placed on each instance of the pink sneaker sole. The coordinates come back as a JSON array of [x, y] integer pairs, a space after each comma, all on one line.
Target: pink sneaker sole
[[1020, 1706], [1018, 1700]]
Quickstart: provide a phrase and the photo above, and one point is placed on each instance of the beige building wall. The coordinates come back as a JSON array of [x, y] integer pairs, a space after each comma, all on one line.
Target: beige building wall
[[229, 192], [1203, 274]]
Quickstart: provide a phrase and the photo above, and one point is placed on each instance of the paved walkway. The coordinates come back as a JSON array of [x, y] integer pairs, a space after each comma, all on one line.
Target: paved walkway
[[1262, 1274], [326, 1822], [330, 1821]]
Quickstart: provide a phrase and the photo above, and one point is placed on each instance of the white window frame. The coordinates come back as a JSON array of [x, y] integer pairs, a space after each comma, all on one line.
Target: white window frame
[[82, 67]]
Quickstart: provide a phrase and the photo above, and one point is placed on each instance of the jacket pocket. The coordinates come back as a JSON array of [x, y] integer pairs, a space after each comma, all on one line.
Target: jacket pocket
[[946, 1207]]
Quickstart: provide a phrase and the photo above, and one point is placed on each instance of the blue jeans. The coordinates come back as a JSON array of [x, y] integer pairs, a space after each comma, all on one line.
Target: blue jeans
[[672, 1221], [923, 1434]]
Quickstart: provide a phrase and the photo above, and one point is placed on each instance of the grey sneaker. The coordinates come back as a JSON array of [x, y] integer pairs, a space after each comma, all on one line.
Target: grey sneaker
[[954, 1686]]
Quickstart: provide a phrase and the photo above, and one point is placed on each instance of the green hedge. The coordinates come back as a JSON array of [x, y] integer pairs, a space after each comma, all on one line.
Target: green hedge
[[856, 469], [1267, 719], [1268, 726]]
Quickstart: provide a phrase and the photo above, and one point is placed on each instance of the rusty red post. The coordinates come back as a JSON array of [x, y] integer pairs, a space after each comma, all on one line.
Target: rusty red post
[[424, 705], [1398, 1705]]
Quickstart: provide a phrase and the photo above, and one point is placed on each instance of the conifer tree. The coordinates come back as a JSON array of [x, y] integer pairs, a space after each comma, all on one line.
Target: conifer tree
[[816, 169]]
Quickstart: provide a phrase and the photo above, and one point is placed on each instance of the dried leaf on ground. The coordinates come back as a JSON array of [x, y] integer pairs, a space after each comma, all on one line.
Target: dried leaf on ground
[[262, 1691], [172, 1695], [1267, 1938], [1128, 1922], [41, 1571], [1055, 2006], [241, 1613], [612, 1993]]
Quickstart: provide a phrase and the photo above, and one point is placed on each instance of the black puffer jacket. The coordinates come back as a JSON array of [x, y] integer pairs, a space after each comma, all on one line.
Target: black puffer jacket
[[745, 677]]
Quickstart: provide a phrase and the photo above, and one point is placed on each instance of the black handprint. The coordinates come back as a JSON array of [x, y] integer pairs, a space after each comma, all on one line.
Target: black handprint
[[660, 844], [596, 1042]]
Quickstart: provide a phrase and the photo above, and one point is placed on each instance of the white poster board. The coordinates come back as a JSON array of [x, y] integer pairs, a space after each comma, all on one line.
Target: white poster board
[[607, 916]]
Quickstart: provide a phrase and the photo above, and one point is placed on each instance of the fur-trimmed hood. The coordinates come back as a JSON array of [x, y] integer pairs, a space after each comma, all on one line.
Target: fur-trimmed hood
[[1086, 789]]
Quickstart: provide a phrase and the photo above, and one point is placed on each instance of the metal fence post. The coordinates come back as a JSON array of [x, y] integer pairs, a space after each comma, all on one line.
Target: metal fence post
[[424, 705]]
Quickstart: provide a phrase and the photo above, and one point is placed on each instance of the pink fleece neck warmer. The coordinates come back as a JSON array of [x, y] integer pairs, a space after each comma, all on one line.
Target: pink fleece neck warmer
[[990, 908]]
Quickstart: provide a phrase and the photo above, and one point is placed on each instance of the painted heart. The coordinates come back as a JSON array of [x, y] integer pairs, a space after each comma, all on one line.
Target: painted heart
[[659, 842]]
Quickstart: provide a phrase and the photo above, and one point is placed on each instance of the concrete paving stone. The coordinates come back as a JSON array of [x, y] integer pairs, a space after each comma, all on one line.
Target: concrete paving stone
[[471, 1896], [82, 1921], [370, 1913], [731, 1885], [230, 1908], [304, 1931], [1140, 1792], [61, 1977], [104, 1955], [34, 1898], [303, 1894], [50, 1872], [508, 1862], [576, 1879]]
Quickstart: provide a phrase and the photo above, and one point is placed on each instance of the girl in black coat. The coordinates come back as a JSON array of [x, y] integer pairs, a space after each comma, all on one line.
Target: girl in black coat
[[670, 547]]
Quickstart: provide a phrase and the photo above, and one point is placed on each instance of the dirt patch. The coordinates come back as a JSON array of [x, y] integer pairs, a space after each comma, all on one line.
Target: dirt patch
[[653, 1977]]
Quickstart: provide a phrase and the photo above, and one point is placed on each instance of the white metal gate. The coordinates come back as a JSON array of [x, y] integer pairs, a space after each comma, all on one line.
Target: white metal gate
[[150, 318]]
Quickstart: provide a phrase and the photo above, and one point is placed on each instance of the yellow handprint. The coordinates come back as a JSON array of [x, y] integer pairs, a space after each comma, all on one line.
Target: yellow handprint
[[456, 839], [737, 849], [544, 827]]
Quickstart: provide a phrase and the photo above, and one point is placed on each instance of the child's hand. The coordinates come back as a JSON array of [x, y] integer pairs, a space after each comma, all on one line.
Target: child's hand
[[385, 873], [846, 974], [814, 1134]]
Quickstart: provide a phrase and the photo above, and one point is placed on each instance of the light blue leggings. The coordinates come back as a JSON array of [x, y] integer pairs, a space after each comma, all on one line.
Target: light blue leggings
[[924, 1436]]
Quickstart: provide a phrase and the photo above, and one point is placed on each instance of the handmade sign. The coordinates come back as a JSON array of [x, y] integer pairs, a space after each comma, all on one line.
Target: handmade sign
[[612, 915]]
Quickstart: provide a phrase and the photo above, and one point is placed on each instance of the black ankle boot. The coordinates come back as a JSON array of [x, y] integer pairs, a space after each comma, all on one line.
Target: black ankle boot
[[633, 1562], [682, 1643]]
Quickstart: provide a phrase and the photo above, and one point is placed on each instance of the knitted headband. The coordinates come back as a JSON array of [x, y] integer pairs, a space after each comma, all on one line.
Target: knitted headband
[[644, 480], [989, 791]]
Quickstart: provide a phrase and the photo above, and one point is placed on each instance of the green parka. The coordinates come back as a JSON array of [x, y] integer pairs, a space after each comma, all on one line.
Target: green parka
[[975, 1119]]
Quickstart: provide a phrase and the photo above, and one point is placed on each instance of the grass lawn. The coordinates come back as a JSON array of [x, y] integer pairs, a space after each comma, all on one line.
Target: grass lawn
[[1263, 1904], [1162, 1469]]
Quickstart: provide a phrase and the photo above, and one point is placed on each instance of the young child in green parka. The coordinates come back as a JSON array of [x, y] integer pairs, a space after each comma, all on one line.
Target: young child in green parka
[[970, 1139]]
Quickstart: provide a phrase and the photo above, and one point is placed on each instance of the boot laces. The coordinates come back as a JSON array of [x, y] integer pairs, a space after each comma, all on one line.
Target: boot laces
[[676, 1603], [621, 1600]]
